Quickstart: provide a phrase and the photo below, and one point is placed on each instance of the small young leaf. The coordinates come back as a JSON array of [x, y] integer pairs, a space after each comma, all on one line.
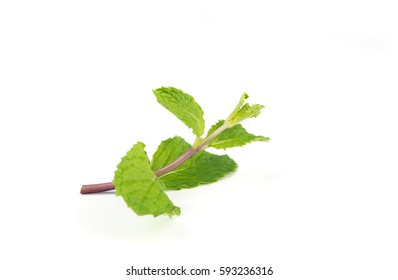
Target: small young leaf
[[136, 182], [235, 136], [183, 106], [237, 108], [202, 168], [243, 112]]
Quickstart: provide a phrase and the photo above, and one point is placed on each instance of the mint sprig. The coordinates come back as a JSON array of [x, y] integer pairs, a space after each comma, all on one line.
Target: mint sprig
[[176, 164]]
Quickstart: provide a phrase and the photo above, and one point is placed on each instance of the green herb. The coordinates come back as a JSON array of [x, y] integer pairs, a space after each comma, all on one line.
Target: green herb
[[176, 164]]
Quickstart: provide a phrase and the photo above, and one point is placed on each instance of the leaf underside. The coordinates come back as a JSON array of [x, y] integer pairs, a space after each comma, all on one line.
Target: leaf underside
[[136, 182]]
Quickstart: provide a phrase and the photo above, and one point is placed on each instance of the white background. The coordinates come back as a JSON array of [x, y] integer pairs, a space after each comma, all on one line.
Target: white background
[[317, 202]]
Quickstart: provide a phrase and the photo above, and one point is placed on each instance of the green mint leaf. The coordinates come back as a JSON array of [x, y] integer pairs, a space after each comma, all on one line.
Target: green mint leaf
[[237, 108], [183, 106], [235, 136], [243, 111], [168, 151], [136, 182], [202, 168]]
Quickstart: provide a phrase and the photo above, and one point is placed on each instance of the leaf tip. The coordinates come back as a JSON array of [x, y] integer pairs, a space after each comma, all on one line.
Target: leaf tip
[[175, 212], [262, 139]]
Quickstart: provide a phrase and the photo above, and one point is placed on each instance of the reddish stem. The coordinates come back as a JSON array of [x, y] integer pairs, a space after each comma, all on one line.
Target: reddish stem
[[96, 188]]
